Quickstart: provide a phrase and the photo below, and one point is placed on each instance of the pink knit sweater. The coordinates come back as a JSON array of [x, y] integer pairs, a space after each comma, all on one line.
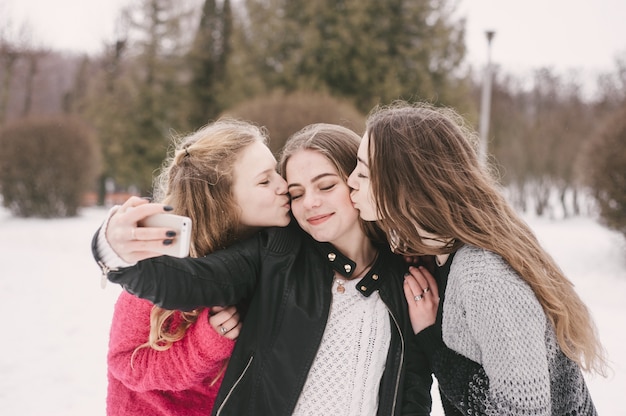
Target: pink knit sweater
[[172, 382]]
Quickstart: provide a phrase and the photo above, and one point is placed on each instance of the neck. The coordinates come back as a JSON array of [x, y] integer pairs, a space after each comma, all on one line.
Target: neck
[[441, 259], [355, 245], [364, 259], [247, 231]]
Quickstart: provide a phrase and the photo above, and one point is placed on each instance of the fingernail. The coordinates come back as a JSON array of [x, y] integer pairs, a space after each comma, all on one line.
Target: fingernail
[[168, 208], [147, 198], [407, 274], [167, 242], [170, 234]]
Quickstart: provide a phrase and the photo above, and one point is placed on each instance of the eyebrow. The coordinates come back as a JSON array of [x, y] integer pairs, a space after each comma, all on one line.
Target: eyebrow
[[265, 172], [315, 179], [362, 161]]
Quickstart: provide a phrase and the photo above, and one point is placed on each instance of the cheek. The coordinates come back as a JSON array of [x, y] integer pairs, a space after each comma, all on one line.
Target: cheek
[[296, 210]]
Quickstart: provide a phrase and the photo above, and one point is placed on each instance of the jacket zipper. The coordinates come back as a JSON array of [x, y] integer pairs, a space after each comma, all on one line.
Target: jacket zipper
[[105, 271], [395, 395], [243, 373]]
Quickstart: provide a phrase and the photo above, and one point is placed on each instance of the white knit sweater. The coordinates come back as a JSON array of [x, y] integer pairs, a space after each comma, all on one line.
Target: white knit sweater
[[345, 376]]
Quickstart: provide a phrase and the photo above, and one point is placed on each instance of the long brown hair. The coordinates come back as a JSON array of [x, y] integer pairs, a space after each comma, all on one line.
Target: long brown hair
[[425, 174], [197, 180], [339, 145]]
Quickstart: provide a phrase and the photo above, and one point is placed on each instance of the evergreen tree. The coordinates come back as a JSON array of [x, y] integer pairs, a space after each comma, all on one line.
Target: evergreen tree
[[367, 50], [207, 61], [158, 28]]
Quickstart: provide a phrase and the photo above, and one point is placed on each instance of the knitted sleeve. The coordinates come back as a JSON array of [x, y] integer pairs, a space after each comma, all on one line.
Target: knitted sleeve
[[105, 252], [502, 326], [199, 355], [462, 382]]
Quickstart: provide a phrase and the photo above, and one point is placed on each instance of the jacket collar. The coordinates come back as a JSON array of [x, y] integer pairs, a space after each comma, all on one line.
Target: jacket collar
[[346, 267]]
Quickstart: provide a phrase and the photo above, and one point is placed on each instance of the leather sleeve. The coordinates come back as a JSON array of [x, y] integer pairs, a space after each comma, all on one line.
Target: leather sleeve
[[221, 278], [417, 382]]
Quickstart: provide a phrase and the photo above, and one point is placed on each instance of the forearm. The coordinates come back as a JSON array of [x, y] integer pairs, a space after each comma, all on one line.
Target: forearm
[[417, 384], [101, 249], [222, 278]]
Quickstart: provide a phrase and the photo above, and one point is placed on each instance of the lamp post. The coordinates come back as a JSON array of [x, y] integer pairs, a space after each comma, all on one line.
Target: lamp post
[[485, 103]]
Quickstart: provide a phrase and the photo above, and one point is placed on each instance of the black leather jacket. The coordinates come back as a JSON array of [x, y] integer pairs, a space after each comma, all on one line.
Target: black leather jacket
[[287, 277]]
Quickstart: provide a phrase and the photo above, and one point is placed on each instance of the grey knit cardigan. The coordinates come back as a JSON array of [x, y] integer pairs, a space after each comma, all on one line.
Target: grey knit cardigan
[[493, 350]]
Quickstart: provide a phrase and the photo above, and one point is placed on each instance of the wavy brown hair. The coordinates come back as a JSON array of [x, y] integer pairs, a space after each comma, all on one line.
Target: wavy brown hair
[[425, 174], [197, 180], [339, 145]]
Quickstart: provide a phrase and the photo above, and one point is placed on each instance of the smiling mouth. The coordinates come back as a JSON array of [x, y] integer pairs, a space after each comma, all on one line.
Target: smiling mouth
[[318, 219]]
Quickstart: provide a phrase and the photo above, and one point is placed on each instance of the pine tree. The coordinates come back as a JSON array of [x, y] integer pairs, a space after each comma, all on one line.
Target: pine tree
[[367, 50], [207, 60], [158, 28]]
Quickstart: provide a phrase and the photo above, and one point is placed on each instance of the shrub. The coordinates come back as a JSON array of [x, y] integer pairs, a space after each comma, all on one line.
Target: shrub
[[606, 158], [46, 165], [284, 114]]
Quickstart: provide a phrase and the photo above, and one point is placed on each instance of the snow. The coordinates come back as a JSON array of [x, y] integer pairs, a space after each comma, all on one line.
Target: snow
[[56, 316]]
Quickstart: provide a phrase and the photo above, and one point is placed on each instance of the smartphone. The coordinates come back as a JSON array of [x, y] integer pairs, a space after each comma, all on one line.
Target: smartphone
[[178, 223]]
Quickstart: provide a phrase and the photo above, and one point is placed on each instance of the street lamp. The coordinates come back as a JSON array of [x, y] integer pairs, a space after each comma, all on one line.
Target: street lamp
[[485, 104]]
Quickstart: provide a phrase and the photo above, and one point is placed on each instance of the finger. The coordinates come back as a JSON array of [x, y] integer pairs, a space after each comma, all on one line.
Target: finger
[[231, 322], [419, 273], [133, 201], [231, 310], [216, 309], [140, 212], [414, 282], [430, 282], [219, 318], [153, 233], [234, 332], [227, 317], [408, 293]]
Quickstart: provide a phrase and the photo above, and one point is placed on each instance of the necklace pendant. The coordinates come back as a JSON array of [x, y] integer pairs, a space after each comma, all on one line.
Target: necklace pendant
[[340, 288]]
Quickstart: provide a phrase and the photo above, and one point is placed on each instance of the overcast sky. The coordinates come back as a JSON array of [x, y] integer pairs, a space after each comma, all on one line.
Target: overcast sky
[[562, 34]]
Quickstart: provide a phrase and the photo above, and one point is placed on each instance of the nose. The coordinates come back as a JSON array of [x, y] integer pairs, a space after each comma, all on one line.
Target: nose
[[310, 200], [352, 183], [281, 185]]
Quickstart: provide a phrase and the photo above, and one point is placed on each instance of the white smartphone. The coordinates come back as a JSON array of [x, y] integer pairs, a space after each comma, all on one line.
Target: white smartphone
[[178, 223]]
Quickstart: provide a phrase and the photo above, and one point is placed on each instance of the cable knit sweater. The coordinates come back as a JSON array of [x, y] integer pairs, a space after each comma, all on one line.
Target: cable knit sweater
[[173, 382], [493, 349]]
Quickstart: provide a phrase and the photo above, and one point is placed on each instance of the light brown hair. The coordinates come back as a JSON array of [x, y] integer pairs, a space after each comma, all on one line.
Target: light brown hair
[[197, 181], [425, 174], [339, 145]]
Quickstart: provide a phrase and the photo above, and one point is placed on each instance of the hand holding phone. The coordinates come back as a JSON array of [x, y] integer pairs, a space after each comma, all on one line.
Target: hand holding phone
[[180, 224]]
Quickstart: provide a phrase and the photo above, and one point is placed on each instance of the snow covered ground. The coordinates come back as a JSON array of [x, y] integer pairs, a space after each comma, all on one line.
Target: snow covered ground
[[55, 316]]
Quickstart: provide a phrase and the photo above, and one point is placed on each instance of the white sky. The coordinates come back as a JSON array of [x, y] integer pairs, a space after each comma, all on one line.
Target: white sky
[[584, 35]]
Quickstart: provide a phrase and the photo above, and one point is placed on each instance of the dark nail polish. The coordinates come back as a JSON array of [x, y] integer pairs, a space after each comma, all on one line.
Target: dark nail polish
[[167, 242], [168, 208], [170, 234]]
